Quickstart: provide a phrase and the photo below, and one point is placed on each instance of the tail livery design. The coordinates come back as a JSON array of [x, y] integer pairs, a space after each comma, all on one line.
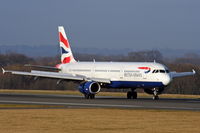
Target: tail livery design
[[66, 53], [147, 69]]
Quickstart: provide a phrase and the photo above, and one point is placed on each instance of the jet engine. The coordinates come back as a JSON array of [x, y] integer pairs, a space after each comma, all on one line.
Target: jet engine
[[90, 87]]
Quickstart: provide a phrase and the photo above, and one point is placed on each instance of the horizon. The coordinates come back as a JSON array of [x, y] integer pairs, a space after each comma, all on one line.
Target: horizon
[[53, 50]]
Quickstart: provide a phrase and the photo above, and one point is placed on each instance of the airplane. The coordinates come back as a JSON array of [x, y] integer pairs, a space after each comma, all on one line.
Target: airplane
[[152, 77]]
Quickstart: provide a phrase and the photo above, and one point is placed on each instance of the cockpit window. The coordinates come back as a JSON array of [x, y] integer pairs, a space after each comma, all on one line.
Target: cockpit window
[[160, 71]]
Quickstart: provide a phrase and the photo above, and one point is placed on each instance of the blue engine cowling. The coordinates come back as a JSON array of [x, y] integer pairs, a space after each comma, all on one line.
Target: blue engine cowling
[[89, 87]]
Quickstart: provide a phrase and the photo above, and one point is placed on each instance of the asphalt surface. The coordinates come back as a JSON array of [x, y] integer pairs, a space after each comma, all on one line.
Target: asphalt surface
[[72, 101]]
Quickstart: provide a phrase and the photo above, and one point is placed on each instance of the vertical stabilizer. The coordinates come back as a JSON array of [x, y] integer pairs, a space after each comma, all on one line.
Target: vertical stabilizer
[[66, 53]]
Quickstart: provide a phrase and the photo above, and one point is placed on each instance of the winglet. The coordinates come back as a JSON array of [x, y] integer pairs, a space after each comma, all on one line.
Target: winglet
[[193, 71], [3, 70]]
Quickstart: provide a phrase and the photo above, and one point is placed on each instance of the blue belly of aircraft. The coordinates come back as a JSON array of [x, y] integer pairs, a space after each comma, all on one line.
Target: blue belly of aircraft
[[134, 84]]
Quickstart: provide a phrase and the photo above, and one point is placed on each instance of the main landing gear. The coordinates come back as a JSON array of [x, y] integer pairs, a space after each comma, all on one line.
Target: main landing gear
[[132, 94], [89, 96]]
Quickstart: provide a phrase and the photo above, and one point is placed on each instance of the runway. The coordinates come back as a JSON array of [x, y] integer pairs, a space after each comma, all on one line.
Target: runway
[[73, 101]]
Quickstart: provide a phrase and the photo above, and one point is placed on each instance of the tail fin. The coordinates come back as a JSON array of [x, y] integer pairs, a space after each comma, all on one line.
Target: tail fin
[[66, 53]]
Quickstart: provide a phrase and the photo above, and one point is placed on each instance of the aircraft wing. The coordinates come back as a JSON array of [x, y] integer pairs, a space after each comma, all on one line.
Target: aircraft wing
[[57, 75], [181, 74]]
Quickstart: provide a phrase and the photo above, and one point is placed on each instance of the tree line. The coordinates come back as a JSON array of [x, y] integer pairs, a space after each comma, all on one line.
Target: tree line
[[15, 61]]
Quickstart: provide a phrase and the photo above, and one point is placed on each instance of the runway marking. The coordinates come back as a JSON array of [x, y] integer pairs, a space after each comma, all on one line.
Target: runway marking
[[193, 101], [72, 104], [99, 105]]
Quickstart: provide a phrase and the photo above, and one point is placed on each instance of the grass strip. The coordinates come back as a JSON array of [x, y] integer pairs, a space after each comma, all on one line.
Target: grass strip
[[69, 92], [98, 121], [18, 106]]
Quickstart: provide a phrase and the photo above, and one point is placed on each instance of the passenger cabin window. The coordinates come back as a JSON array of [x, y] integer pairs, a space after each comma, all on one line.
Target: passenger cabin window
[[97, 70], [131, 71], [114, 70], [80, 70]]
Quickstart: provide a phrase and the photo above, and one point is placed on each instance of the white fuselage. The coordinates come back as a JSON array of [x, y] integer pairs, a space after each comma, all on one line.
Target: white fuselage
[[142, 74]]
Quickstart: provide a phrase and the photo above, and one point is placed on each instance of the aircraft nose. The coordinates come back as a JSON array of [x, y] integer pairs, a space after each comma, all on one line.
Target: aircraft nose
[[166, 79]]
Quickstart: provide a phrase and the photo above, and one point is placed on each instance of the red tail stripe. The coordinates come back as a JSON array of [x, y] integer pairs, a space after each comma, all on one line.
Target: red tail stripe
[[63, 40], [145, 68], [66, 60]]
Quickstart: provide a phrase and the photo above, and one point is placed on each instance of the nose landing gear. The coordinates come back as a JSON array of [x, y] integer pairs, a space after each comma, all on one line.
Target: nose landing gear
[[155, 94]]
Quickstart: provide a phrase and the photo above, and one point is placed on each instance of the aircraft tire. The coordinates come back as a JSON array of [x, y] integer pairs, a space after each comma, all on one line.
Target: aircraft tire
[[92, 96], [156, 98], [134, 94], [129, 95], [87, 96]]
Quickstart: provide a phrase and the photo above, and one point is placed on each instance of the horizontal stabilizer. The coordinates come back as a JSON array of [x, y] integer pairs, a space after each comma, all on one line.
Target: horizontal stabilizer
[[3, 70]]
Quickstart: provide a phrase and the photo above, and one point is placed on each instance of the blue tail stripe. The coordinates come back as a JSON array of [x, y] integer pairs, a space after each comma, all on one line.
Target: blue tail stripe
[[64, 51]]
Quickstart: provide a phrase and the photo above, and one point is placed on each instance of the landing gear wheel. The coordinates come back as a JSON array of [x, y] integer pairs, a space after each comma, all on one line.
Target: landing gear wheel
[[89, 96], [92, 96], [131, 95], [155, 97], [134, 95]]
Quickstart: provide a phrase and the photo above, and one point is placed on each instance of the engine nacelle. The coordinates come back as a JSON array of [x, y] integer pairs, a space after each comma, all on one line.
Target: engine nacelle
[[90, 87]]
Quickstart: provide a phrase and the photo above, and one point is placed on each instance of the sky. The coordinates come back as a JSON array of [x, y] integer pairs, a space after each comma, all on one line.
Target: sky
[[117, 24]]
